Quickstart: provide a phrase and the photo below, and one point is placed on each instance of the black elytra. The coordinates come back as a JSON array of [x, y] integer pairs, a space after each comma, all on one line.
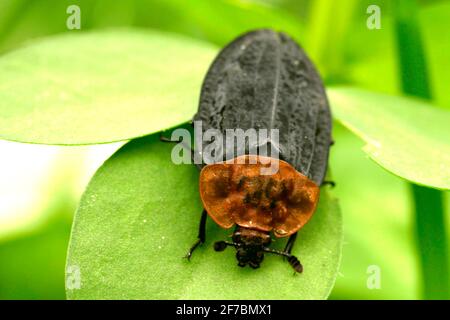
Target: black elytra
[[264, 80]]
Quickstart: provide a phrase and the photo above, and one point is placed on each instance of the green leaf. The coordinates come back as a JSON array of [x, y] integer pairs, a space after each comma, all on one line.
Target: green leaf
[[406, 137], [374, 202], [140, 214], [100, 87]]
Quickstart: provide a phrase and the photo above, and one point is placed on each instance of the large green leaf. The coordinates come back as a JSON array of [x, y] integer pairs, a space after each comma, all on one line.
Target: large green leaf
[[140, 214], [408, 137], [100, 87]]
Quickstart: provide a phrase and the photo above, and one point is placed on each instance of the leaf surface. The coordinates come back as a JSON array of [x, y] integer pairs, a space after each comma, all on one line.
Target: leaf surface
[[405, 136], [139, 216], [99, 87]]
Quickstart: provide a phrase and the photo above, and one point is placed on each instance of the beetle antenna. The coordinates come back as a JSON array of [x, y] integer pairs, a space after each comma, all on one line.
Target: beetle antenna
[[293, 261], [222, 245]]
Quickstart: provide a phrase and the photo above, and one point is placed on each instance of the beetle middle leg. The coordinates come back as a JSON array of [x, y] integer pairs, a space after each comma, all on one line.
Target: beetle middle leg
[[290, 243], [185, 146], [201, 235], [329, 182]]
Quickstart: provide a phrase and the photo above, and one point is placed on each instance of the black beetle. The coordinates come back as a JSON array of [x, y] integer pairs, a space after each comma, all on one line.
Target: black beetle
[[264, 80]]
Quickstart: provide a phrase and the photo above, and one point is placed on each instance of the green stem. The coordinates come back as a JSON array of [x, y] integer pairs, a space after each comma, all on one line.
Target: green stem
[[432, 242], [428, 203]]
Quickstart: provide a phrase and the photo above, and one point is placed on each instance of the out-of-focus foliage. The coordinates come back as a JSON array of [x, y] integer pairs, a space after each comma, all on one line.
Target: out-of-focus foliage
[[32, 264], [391, 125], [216, 21], [371, 54], [377, 225], [39, 190], [80, 103]]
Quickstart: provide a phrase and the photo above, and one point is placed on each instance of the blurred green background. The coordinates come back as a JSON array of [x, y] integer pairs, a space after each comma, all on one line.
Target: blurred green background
[[40, 185]]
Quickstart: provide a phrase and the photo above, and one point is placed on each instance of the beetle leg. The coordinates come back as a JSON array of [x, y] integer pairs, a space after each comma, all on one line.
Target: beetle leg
[[290, 243], [193, 151], [201, 235], [329, 182], [165, 139]]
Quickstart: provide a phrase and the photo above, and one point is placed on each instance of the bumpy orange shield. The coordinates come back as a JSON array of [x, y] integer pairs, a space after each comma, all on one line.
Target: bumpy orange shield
[[240, 192]]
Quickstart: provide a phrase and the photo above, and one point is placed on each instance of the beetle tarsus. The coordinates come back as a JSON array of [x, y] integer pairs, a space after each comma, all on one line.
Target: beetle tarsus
[[191, 250], [165, 139], [201, 235], [295, 263]]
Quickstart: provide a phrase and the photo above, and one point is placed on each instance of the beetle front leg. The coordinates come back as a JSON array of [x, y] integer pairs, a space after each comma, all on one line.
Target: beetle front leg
[[201, 235]]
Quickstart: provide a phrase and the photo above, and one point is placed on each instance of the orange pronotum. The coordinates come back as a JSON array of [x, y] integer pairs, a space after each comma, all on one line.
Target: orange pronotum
[[235, 192]]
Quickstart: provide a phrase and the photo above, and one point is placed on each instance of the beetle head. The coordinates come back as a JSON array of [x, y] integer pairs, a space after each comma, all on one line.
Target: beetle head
[[250, 246]]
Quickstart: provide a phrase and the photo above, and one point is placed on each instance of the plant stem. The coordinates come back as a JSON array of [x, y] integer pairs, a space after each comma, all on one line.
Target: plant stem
[[432, 242], [428, 203]]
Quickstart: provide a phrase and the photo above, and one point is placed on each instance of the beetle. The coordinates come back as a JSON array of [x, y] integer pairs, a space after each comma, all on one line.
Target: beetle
[[264, 80]]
